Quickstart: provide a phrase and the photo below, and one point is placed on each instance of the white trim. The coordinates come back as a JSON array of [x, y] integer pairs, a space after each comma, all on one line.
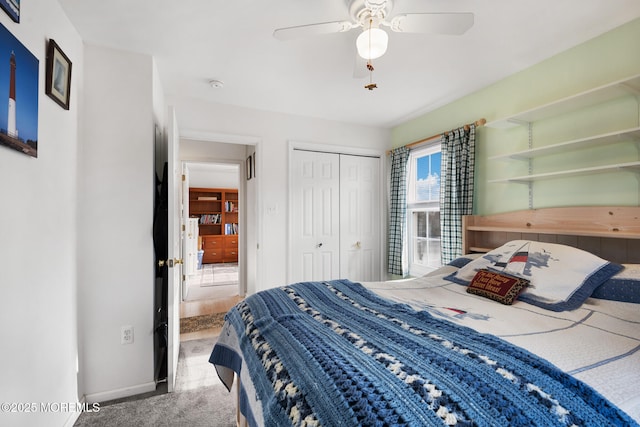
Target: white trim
[[337, 149], [255, 141], [120, 392], [418, 206], [416, 270], [242, 191], [71, 420], [219, 137], [75, 415]]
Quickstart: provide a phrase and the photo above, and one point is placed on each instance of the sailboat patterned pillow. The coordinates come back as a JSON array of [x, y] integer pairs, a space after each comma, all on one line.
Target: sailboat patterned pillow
[[560, 277]]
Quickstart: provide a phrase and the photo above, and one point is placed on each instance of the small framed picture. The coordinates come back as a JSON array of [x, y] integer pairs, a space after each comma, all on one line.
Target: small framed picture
[[255, 164], [12, 7], [58, 76], [249, 168]]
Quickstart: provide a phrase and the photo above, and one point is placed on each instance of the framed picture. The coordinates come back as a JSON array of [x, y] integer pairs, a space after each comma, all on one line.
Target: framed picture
[[12, 7], [19, 77], [255, 165], [249, 167], [58, 78]]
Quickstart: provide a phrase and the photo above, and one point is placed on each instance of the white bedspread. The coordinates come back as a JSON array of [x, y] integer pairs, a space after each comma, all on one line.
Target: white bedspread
[[599, 343]]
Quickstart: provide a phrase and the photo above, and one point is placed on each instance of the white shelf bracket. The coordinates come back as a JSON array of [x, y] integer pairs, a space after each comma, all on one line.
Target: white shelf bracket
[[638, 105], [630, 88], [530, 183]]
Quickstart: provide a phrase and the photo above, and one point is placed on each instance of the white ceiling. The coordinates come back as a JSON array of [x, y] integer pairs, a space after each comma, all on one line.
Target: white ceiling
[[194, 41]]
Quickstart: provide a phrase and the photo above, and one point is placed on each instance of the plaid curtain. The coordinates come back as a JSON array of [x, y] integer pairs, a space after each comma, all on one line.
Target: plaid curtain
[[398, 210], [456, 188]]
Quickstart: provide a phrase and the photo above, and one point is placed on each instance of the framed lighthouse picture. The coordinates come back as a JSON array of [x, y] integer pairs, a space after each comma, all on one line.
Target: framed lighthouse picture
[[58, 76], [12, 7], [19, 70]]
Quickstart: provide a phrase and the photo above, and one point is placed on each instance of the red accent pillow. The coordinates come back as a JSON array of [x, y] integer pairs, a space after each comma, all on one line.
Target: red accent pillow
[[499, 287]]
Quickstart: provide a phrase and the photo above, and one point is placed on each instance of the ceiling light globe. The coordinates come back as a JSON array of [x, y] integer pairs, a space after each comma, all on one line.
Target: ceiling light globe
[[372, 43]]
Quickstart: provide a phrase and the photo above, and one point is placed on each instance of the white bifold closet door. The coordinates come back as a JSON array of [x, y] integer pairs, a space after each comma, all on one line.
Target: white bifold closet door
[[335, 217], [359, 218], [315, 216]]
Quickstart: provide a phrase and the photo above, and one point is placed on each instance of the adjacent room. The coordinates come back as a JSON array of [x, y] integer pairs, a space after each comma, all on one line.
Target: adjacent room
[[211, 269], [347, 212]]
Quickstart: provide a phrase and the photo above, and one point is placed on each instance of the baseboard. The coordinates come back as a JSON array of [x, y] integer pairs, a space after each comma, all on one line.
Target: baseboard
[[73, 417], [120, 393]]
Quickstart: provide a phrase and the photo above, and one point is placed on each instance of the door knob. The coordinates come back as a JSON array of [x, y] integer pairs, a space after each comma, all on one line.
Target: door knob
[[358, 245], [319, 245], [169, 263]]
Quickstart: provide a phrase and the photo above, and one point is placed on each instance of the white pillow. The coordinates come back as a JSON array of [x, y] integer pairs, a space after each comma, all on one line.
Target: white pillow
[[561, 277]]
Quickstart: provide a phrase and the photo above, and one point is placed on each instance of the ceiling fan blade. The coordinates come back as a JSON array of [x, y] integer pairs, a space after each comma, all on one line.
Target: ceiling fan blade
[[432, 23], [301, 31]]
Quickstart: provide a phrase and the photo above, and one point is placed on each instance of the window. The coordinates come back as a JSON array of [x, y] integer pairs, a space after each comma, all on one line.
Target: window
[[423, 209]]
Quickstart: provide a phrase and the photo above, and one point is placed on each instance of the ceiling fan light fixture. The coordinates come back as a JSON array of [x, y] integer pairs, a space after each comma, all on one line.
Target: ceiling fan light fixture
[[372, 43]]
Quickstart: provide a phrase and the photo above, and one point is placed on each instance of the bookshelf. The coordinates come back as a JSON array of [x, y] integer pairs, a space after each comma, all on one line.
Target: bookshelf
[[217, 213]]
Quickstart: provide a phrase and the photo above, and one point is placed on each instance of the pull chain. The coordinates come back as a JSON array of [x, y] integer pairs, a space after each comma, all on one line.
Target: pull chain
[[371, 85]]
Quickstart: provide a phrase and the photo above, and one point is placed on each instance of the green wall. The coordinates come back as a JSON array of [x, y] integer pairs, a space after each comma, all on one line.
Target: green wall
[[613, 56]]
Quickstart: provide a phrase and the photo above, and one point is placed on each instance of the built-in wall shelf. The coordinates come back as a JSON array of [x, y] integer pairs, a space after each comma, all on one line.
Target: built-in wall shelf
[[564, 147], [598, 95], [217, 212], [629, 87], [630, 166]]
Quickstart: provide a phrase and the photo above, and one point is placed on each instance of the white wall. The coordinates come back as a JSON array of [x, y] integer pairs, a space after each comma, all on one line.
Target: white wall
[[213, 177], [208, 153], [115, 219], [38, 237], [273, 131]]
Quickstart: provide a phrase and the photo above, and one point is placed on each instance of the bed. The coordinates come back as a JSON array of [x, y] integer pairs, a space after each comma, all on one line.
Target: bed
[[537, 324]]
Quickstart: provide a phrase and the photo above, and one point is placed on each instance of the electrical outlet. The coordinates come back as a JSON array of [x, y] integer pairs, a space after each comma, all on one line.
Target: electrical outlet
[[126, 336]]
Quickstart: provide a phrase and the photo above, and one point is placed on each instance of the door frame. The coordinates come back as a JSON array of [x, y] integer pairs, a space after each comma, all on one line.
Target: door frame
[[173, 322], [174, 248], [335, 149], [242, 258], [194, 135]]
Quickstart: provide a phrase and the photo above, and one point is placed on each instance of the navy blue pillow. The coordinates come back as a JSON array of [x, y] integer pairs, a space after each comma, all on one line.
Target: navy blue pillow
[[624, 286], [462, 261]]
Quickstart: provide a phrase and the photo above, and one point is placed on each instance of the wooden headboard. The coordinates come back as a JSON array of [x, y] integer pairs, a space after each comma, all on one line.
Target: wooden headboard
[[612, 233]]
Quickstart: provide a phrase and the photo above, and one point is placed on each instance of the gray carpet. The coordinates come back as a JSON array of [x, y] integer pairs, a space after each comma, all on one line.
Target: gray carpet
[[200, 398]]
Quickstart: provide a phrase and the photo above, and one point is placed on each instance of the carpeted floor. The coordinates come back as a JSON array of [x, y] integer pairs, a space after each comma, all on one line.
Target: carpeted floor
[[200, 398]]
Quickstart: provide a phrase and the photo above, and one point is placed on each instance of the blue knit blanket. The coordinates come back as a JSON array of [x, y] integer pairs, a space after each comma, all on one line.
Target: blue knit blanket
[[335, 354]]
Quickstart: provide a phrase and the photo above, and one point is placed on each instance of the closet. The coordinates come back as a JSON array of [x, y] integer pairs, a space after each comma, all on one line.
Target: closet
[[336, 216]]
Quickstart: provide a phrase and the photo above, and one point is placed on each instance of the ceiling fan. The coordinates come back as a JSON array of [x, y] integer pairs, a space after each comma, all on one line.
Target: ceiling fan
[[370, 15]]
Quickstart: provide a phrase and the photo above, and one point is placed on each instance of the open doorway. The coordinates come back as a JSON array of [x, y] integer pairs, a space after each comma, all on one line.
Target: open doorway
[[212, 208]]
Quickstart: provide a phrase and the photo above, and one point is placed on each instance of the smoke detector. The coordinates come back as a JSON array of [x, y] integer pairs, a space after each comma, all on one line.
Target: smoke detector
[[216, 84]]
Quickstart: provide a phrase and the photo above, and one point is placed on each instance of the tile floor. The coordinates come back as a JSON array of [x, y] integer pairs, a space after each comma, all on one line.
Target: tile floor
[[212, 304]]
